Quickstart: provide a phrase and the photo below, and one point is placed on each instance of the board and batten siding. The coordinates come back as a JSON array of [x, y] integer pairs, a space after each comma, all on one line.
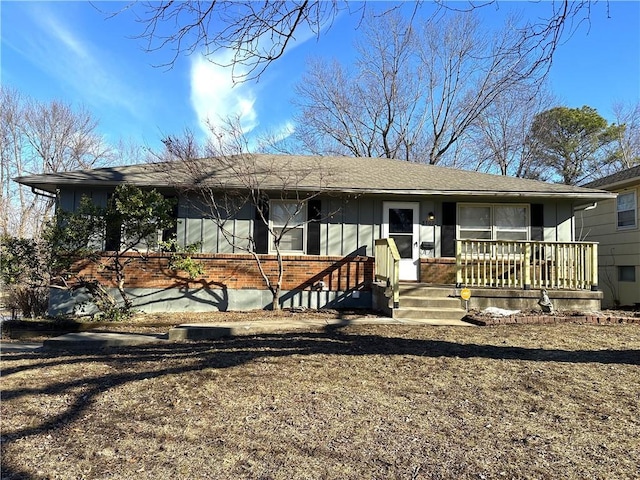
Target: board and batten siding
[[349, 225], [558, 222], [69, 200], [617, 247]]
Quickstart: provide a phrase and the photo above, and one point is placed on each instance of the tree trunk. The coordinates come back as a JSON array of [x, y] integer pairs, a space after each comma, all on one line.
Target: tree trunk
[[276, 297]]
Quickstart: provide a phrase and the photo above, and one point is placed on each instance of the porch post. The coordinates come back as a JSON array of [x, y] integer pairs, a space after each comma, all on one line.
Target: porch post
[[526, 280], [458, 263], [594, 267]]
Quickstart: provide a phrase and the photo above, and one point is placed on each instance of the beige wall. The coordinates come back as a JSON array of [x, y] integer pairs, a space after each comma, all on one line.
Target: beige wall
[[617, 247]]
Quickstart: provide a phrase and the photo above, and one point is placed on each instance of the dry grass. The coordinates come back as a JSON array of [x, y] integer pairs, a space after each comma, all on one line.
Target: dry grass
[[360, 402]]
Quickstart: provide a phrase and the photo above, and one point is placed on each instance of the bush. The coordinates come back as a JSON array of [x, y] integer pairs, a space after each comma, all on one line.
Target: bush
[[24, 274], [31, 301]]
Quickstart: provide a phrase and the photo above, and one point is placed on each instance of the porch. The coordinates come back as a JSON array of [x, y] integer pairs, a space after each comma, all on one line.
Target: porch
[[503, 274]]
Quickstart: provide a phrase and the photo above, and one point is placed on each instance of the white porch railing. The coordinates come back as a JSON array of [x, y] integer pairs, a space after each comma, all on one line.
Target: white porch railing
[[521, 264], [387, 267]]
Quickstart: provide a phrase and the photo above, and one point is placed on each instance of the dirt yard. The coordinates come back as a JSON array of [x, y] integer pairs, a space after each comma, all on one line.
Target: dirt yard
[[359, 402]]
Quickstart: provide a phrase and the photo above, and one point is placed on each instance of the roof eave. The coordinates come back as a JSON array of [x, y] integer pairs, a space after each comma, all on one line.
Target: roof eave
[[588, 195], [622, 184], [596, 195]]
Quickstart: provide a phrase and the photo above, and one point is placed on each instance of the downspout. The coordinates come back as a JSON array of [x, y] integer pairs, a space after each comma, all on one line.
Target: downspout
[[588, 206], [582, 209], [53, 199], [594, 250]]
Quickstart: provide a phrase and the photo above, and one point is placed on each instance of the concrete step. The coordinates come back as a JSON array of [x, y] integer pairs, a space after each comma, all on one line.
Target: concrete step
[[97, 340], [425, 290], [436, 303], [429, 313], [429, 302], [432, 321]]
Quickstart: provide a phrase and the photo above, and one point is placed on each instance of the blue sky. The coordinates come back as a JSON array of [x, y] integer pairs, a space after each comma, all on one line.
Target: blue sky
[[70, 51]]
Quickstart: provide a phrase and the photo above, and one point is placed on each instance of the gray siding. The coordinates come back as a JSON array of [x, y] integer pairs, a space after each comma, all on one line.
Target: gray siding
[[349, 225], [366, 227], [69, 200]]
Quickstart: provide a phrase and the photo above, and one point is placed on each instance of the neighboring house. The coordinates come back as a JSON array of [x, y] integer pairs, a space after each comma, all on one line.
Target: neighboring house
[[615, 225], [505, 238]]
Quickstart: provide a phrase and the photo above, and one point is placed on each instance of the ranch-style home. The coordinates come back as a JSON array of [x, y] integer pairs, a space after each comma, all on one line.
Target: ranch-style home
[[404, 238], [615, 225]]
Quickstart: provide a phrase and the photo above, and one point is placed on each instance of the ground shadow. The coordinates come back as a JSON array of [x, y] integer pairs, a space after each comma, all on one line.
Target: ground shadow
[[155, 361]]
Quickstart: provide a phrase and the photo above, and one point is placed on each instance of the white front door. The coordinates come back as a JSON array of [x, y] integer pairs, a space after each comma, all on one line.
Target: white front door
[[401, 222]]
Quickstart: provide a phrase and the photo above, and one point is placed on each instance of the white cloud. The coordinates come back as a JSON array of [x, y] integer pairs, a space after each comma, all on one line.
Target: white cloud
[[73, 60], [215, 98], [283, 131], [72, 44]]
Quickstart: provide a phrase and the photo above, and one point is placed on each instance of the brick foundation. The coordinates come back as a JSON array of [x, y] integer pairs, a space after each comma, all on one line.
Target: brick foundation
[[441, 271], [238, 272], [549, 319]]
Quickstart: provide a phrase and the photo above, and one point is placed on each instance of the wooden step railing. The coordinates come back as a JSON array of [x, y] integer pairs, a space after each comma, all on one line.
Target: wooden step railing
[[387, 267], [527, 264]]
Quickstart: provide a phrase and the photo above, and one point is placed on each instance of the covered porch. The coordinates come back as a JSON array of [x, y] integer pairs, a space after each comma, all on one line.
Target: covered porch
[[503, 274]]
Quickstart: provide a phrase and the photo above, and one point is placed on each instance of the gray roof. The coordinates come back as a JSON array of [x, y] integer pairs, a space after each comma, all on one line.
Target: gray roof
[[618, 179], [314, 173]]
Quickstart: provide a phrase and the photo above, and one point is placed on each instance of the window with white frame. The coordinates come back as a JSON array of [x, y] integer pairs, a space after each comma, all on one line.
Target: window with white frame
[[493, 222], [288, 220], [627, 208]]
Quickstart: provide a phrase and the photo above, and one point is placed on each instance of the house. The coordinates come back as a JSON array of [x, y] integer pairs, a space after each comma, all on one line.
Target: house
[[370, 227], [615, 225]]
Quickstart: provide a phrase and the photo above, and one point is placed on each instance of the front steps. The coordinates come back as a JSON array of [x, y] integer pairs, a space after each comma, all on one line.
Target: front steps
[[427, 303]]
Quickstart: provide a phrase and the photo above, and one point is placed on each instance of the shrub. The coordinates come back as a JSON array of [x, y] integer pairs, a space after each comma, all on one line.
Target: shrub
[[24, 273]]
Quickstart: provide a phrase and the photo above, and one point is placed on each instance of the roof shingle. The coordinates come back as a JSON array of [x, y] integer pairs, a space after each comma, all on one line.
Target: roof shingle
[[314, 173], [616, 178]]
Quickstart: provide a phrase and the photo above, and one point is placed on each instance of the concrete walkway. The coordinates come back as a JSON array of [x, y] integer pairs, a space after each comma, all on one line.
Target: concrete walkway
[[12, 347], [208, 331], [202, 331]]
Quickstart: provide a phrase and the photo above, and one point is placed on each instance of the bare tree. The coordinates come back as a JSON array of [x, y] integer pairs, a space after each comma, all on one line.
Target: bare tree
[[468, 68], [628, 140], [11, 161], [61, 138], [543, 35], [41, 138], [497, 141], [244, 35], [227, 183], [415, 89], [376, 109], [249, 36]]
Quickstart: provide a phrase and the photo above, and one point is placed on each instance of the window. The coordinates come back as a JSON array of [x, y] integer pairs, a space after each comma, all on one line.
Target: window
[[401, 230], [626, 208], [170, 233], [288, 219], [511, 222], [494, 222], [113, 229], [627, 273], [475, 222]]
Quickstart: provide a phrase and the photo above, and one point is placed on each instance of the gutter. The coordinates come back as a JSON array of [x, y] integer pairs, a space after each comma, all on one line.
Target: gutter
[[588, 196], [42, 194]]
